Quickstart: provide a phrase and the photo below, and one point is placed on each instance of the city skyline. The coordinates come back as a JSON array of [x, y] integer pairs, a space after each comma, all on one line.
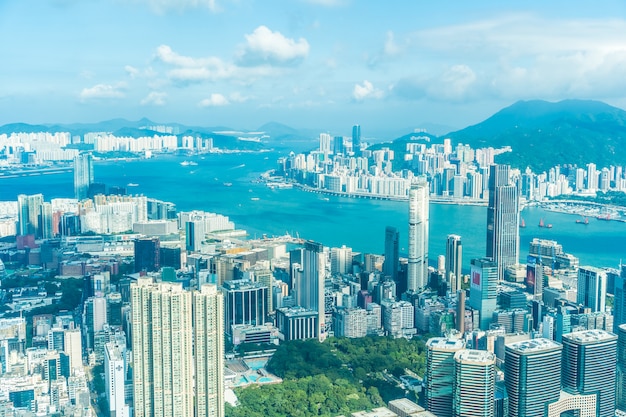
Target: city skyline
[[397, 68]]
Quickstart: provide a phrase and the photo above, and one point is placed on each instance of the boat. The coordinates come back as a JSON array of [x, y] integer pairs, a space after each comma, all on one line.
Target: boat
[[542, 224], [606, 217], [581, 221], [132, 184], [187, 163], [228, 184], [254, 198], [522, 223]]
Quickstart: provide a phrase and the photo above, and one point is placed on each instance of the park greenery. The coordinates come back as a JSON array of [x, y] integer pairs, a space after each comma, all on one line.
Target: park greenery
[[338, 376]]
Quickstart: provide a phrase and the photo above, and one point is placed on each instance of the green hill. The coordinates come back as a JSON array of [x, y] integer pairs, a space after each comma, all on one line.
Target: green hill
[[543, 134]]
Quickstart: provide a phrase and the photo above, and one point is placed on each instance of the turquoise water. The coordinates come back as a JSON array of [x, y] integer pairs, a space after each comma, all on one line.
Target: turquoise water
[[225, 184], [256, 364]]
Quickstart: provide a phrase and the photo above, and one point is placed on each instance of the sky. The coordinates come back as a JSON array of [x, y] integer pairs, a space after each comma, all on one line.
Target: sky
[[317, 64]]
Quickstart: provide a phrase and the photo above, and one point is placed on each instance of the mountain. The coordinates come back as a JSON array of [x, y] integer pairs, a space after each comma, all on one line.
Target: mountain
[[543, 134]]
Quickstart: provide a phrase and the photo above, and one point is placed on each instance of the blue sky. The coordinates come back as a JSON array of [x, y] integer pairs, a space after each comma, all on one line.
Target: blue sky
[[322, 64]]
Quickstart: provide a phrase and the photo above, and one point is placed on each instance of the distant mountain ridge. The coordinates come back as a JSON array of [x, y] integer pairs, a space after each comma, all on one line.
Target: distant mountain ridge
[[543, 134]]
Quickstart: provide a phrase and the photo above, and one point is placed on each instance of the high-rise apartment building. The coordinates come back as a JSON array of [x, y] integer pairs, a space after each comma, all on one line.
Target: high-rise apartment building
[[177, 339], [392, 253], [83, 175], [589, 367], [162, 349], [592, 288], [417, 268], [502, 219], [483, 286], [208, 332], [341, 260], [454, 260], [114, 378], [532, 376], [473, 392], [440, 374]]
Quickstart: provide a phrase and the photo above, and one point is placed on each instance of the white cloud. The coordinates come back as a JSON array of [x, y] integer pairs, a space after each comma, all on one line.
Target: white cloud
[[237, 97], [155, 98], [131, 71], [265, 46], [215, 100], [391, 48], [188, 69], [367, 90], [162, 6], [518, 56], [103, 91]]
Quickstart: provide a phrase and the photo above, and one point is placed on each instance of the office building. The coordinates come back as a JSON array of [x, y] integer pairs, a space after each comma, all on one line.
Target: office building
[[147, 254], [483, 285], [439, 375], [245, 303], [589, 367], [620, 388], [532, 376], [29, 215], [502, 219], [297, 323], [473, 392], [341, 260], [194, 235], [208, 331], [392, 253], [619, 300], [114, 378], [592, 288], [83, 175], [310, 285], [454, 260], [356, 140], [417, 268]]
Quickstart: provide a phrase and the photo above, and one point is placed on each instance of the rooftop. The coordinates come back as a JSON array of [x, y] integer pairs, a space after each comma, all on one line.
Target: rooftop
[[442, 343], [590, 336], [533, 345]]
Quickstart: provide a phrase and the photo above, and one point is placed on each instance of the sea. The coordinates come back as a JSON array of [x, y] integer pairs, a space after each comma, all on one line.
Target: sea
[[228, 184]]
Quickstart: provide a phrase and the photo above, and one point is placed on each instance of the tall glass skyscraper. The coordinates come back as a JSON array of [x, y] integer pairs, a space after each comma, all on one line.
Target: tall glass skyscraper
[[620, 390], [592, 288], [417, 268], [474, 389], [392, 253], [502, 219], [483, 287], [83, 175], [532, 376], [310, 286], [29, 214], [440, 374], [356, 140], [589, 367], [454, 260]]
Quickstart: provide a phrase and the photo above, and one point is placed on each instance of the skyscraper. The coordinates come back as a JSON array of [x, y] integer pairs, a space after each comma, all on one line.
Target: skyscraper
[[310, 286], [392, 253], [619, 302], [473, 392], [177, 340], [356, 140], [147, 254], [162, 349], [483, 286], [208, 331], [591, 288], [440, 374], [620, 388], [502, 219], [589, 367], [532, 376], [83, 175], [454, 260], [417, 268], [29, 214]]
